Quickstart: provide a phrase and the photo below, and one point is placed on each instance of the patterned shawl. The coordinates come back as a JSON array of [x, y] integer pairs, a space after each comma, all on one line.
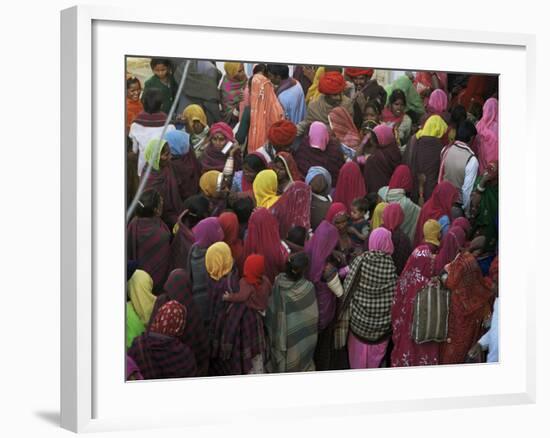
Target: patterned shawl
[[291, 324], [293, 208]]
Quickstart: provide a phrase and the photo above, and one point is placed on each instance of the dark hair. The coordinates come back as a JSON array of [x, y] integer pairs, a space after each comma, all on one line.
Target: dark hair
[[466, 131], [160, 61], [373, 104], [254, 162], [243, 208], [278, 70], [372, 199], [198, 207], [259, 68], [296, 266], [147, 203], [131, 81], [361, 204], [151, 100], [458, 114], [476, 109], [297, 235], [396, 95]]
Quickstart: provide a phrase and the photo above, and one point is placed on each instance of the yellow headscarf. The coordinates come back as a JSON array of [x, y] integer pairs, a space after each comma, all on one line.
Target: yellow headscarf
[[432, 230], [218, 260], [435, 126], [208, 182], [140, 287], [153, 151], [265, 188], [232, 68], [313, 91], [377, 215], [195, 112]]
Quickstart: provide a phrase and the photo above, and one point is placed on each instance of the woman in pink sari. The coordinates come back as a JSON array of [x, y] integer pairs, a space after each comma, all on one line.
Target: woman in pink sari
[[485, 143]]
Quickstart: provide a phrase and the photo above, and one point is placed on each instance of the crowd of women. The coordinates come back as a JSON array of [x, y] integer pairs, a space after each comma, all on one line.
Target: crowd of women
[[287, 223]]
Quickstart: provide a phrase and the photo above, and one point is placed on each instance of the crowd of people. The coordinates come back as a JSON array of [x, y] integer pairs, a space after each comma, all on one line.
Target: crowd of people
[[288, 222]]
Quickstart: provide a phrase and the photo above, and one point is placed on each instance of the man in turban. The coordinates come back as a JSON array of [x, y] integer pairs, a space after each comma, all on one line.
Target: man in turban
[[331, 86], [365, 89], [280, 136]]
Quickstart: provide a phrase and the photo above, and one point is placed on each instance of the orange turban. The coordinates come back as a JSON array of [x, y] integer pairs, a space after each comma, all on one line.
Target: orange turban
[[353, 72], [282, 133], [332, 82]]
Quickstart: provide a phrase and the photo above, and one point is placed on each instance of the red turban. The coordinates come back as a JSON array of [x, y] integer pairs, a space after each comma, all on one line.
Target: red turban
[[353, 72], [332, 82], [282, 133]]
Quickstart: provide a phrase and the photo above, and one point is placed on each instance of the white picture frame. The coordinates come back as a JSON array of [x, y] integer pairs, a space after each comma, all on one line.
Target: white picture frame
[[94, 396]]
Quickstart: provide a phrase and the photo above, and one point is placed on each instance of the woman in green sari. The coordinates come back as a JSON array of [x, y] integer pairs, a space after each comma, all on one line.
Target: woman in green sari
[[140, 305], [484, 207]]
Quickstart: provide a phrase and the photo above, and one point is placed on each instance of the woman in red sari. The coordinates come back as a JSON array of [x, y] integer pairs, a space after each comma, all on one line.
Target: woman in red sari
[[148, 239], [418, 271], [293, 208], [263, 238], [230, 226], [350, 184], [470, 307]]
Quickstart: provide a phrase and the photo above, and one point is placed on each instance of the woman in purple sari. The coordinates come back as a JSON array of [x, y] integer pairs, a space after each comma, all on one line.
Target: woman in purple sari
[[195, 336], [148, 239], [206, 232]]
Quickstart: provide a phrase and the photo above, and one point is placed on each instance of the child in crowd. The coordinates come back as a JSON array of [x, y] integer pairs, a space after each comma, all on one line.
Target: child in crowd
[[254, 287], [163, 80], [358, 223], [133, 104]]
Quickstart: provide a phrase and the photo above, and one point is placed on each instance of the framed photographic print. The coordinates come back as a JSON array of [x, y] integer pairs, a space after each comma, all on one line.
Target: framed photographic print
[[240, 116]]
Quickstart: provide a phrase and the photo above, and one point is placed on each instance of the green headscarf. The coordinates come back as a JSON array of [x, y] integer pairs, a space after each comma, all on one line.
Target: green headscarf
[[152, 152], [414, 101]]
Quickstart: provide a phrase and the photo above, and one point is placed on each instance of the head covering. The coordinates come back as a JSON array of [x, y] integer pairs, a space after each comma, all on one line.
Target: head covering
[[170, 319], [263, 238], [208, 182], [463, 223], [380, 240], [290, 166], [342, 125], [435, 126], [332, 82], [432, 230], [282, 133], [318, 135], [414, 101], [384, 135], [393, 216], [319, 248], [178, 142], [254, 267], [224, 129], [401, 178], [377, 215], [218, 260], [335, 209], [313, 91], [451, 244], [489, 119], [230, 226], [318, 170], [207, 232], [153, 151], [140, 287], [231, 68], [437, 104], [350, 184], [194, 113], [265, 188], [353, 72]]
